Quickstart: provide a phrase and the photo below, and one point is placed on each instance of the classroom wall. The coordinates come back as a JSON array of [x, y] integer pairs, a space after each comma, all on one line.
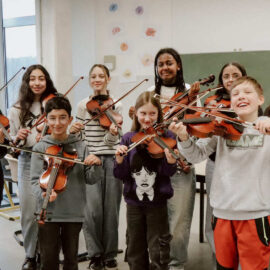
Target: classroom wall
[[77, 34]]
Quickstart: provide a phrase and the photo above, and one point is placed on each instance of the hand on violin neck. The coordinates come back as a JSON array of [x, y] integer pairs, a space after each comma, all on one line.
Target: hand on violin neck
[[53, 196], [91, 160], [120, 152], [263, 126], [2, 136], [76, 127], [113, 129], [180, 130], [22, 134], [169, 156], [194, 89]]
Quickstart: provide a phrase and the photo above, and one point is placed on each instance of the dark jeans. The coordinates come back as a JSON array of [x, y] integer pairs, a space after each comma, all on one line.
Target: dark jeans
[[148, 230], [52, 236]]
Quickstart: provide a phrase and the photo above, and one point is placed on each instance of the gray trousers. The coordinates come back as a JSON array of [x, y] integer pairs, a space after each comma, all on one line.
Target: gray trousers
[[27, 205], [102, 213], [180, 212]]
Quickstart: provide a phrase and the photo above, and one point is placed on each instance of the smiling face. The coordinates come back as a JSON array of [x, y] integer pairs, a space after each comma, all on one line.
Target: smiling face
[[229, 75], [37, 83], [245, 101], [144, 179], [99, 81], [167, 68], [58, 121], [147, 115]]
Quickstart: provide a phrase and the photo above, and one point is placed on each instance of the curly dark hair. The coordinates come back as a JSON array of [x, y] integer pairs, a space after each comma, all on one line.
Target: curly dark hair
[[179, 83], [26, 96]]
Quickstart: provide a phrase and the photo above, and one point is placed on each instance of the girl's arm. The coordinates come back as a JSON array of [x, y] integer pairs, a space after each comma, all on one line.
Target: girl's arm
[[121, 164], [94, 169], [194, 152], [36, 170]]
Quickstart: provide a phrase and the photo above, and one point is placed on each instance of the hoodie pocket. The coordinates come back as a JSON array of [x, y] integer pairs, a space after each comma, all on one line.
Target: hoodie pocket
[[263, 230]]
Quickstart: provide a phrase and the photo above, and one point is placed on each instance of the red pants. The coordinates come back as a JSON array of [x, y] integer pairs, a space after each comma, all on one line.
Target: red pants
[[244, 241]]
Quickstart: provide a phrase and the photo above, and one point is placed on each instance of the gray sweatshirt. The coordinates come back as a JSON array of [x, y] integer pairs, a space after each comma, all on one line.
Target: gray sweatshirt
[[240, 188], [69, 204]]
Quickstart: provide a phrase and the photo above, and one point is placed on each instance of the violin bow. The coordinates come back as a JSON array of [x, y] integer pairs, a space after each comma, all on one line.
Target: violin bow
[[217, 115], [41, 118], [11, 79], [199, 96], [98, 115], [43, 154]]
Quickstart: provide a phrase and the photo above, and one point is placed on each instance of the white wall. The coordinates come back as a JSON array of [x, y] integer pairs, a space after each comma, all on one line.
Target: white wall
[[77, 34]]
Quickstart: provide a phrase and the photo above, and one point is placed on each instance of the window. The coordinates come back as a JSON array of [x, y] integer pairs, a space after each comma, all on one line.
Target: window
[[19, 42]]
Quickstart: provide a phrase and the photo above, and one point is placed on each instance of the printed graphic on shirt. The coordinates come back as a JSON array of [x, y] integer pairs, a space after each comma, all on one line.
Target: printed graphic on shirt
[[247, 141], [144, 172], [145, 181]]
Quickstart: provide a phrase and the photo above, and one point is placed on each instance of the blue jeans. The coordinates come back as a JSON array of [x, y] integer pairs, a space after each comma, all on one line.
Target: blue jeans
[[102, 213], [28, 205], [180, 211]]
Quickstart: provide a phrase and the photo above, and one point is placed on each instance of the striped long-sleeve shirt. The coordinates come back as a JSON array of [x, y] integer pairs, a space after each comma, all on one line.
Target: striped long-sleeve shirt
[[99, 140]]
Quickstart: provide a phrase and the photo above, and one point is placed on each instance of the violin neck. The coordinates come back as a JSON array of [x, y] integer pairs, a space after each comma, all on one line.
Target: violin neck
[[108, 114], [50, 186]]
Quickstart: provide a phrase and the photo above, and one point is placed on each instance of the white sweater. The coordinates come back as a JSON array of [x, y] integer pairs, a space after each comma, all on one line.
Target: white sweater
[[241, 180], [15, 126]]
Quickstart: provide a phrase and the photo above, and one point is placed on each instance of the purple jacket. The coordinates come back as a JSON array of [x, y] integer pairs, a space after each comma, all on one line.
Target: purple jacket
[[146, 180]]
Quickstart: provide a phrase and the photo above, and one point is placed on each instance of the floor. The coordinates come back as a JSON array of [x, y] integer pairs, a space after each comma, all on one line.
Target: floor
[[12, 255]]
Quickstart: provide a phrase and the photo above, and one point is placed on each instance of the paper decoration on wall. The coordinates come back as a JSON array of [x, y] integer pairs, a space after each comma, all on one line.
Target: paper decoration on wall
[[113, 7], [139, 10], [116, 30], [150, 32], [127, 76], [147, 60], [123, 46]]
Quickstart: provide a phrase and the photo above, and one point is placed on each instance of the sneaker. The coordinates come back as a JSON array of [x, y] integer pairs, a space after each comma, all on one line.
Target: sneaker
[[29, 264], [96, 263], [111, 264]]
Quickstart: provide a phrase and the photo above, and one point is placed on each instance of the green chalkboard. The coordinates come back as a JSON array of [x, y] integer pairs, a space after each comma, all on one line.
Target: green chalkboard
[[257, 64]]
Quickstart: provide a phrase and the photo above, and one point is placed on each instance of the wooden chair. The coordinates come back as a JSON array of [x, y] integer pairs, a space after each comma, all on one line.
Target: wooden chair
[[13, 167]]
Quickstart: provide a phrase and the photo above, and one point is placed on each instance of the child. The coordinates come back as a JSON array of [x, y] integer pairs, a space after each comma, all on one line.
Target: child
[[228, 74], [240, 186], [66, 209], [104, 198], [147, 188], [169, 80], [36, 85]]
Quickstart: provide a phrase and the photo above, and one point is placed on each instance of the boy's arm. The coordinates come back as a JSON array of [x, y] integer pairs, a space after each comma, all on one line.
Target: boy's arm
[[198, 151]]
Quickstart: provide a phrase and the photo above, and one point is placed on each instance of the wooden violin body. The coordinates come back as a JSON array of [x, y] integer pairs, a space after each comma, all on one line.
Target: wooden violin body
[[55, 177]]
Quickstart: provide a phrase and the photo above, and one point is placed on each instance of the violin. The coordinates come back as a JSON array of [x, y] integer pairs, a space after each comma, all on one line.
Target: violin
[[42, 127], [110, 105], [156, 143], [4, 125], [183, 98], [55, 176], [98, 106]]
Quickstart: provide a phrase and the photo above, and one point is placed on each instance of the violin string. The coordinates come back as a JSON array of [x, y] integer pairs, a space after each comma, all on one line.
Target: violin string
[[44, 154]]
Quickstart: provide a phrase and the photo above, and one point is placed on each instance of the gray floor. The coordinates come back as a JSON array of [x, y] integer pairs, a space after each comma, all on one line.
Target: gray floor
[[12, 255]]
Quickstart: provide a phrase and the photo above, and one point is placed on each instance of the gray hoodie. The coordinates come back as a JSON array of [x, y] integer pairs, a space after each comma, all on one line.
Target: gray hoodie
[[69, 204], [241, 180]]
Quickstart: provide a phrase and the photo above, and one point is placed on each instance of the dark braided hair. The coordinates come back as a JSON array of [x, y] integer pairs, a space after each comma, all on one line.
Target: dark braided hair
[[179, 83]]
